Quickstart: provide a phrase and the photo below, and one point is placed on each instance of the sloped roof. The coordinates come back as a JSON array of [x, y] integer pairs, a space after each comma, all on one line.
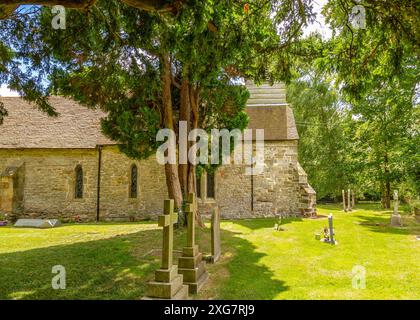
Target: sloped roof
[[78, 127], [267, 109], [26, 127]]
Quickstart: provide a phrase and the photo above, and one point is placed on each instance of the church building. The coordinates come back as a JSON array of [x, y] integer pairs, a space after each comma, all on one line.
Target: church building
[[64, 167]]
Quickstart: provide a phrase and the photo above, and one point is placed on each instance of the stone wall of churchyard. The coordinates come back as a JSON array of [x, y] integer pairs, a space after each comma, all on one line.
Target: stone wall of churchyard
[[116, 203], [49, 181], [276, 190]]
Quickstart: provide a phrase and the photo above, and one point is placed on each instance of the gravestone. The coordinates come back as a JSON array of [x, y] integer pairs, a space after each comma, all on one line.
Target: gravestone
[[396, 217], [37, 223], [191, 264], [328, 232], [344, 200], [348, 200], [168, 283], [330, 226], [215, 235]]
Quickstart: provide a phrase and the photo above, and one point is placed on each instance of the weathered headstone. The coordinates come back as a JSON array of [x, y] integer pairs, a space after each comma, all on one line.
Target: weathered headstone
[[215, 235], [348, 200], [396, 217], [344, 200], [330, 226], [191, 264], [37, 223], [328, 232], [168, 283]]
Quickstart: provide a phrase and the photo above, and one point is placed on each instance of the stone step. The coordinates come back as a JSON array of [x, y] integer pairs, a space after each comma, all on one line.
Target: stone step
[[195, 287], [268, 96], [182, 294], [192, 275], [164, 290], [278, 85], [189, 262], [266, 91], [266, 101]]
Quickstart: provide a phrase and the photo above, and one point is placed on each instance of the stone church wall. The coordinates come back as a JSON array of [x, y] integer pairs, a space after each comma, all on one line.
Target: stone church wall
[[276, 190], [115, 186], [49, 181], [49, 185]]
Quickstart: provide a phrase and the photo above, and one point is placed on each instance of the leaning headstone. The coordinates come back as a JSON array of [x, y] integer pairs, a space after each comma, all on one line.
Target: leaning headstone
[[37, 223], [396, 217], [168, 283], [344, 200], [215, 235], [191, 264]]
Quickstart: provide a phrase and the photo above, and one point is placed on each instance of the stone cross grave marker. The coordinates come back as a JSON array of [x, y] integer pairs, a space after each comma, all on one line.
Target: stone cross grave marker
[[168, 283], [396, 217], [215, 235], [167, 221], [191, 264]]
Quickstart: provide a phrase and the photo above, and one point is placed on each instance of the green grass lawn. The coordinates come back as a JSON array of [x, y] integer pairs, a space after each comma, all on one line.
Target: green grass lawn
[[115, 260]]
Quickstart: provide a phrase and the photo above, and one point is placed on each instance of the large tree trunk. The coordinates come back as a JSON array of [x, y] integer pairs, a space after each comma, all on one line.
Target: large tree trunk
[[194, 103], [171, 170], [184, 115]]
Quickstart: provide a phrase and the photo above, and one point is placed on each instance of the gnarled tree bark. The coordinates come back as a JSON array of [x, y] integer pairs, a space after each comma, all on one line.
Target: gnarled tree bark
[[171, 170]]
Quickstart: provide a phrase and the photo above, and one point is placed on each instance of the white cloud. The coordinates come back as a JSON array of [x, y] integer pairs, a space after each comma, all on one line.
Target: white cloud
[[6, 92]]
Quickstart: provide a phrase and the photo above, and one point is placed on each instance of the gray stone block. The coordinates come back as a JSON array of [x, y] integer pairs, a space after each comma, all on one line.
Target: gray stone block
[[37, 223]]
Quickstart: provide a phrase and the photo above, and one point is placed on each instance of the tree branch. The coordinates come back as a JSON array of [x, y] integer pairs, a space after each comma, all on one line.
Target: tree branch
[[7, 7]]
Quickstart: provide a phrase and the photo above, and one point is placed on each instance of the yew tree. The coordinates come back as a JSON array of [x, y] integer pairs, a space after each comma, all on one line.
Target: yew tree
[[150, 69]]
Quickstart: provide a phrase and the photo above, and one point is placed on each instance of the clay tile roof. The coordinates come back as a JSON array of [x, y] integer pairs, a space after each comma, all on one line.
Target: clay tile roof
[[27, 127], [267, 109]]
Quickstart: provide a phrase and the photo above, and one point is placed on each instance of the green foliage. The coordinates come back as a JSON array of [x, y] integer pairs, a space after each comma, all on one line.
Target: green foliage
[[322, 145]]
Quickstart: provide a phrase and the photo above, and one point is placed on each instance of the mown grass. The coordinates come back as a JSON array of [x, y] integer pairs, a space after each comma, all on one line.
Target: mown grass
[[115, 260]]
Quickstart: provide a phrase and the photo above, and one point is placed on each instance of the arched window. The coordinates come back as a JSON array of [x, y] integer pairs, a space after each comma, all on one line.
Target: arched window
[[133, 181], [78, 190]]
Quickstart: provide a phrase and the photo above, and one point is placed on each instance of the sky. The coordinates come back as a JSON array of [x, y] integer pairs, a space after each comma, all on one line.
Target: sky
[[319, 25]]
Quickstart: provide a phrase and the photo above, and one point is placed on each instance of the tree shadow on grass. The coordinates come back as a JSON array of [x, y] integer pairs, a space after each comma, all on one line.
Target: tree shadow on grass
[[120, 266], [381, 223], [265, 223], [248, 278], [98, 269]]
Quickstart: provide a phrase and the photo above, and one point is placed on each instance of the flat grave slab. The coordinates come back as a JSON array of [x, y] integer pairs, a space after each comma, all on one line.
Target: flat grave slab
[[37, 223]]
